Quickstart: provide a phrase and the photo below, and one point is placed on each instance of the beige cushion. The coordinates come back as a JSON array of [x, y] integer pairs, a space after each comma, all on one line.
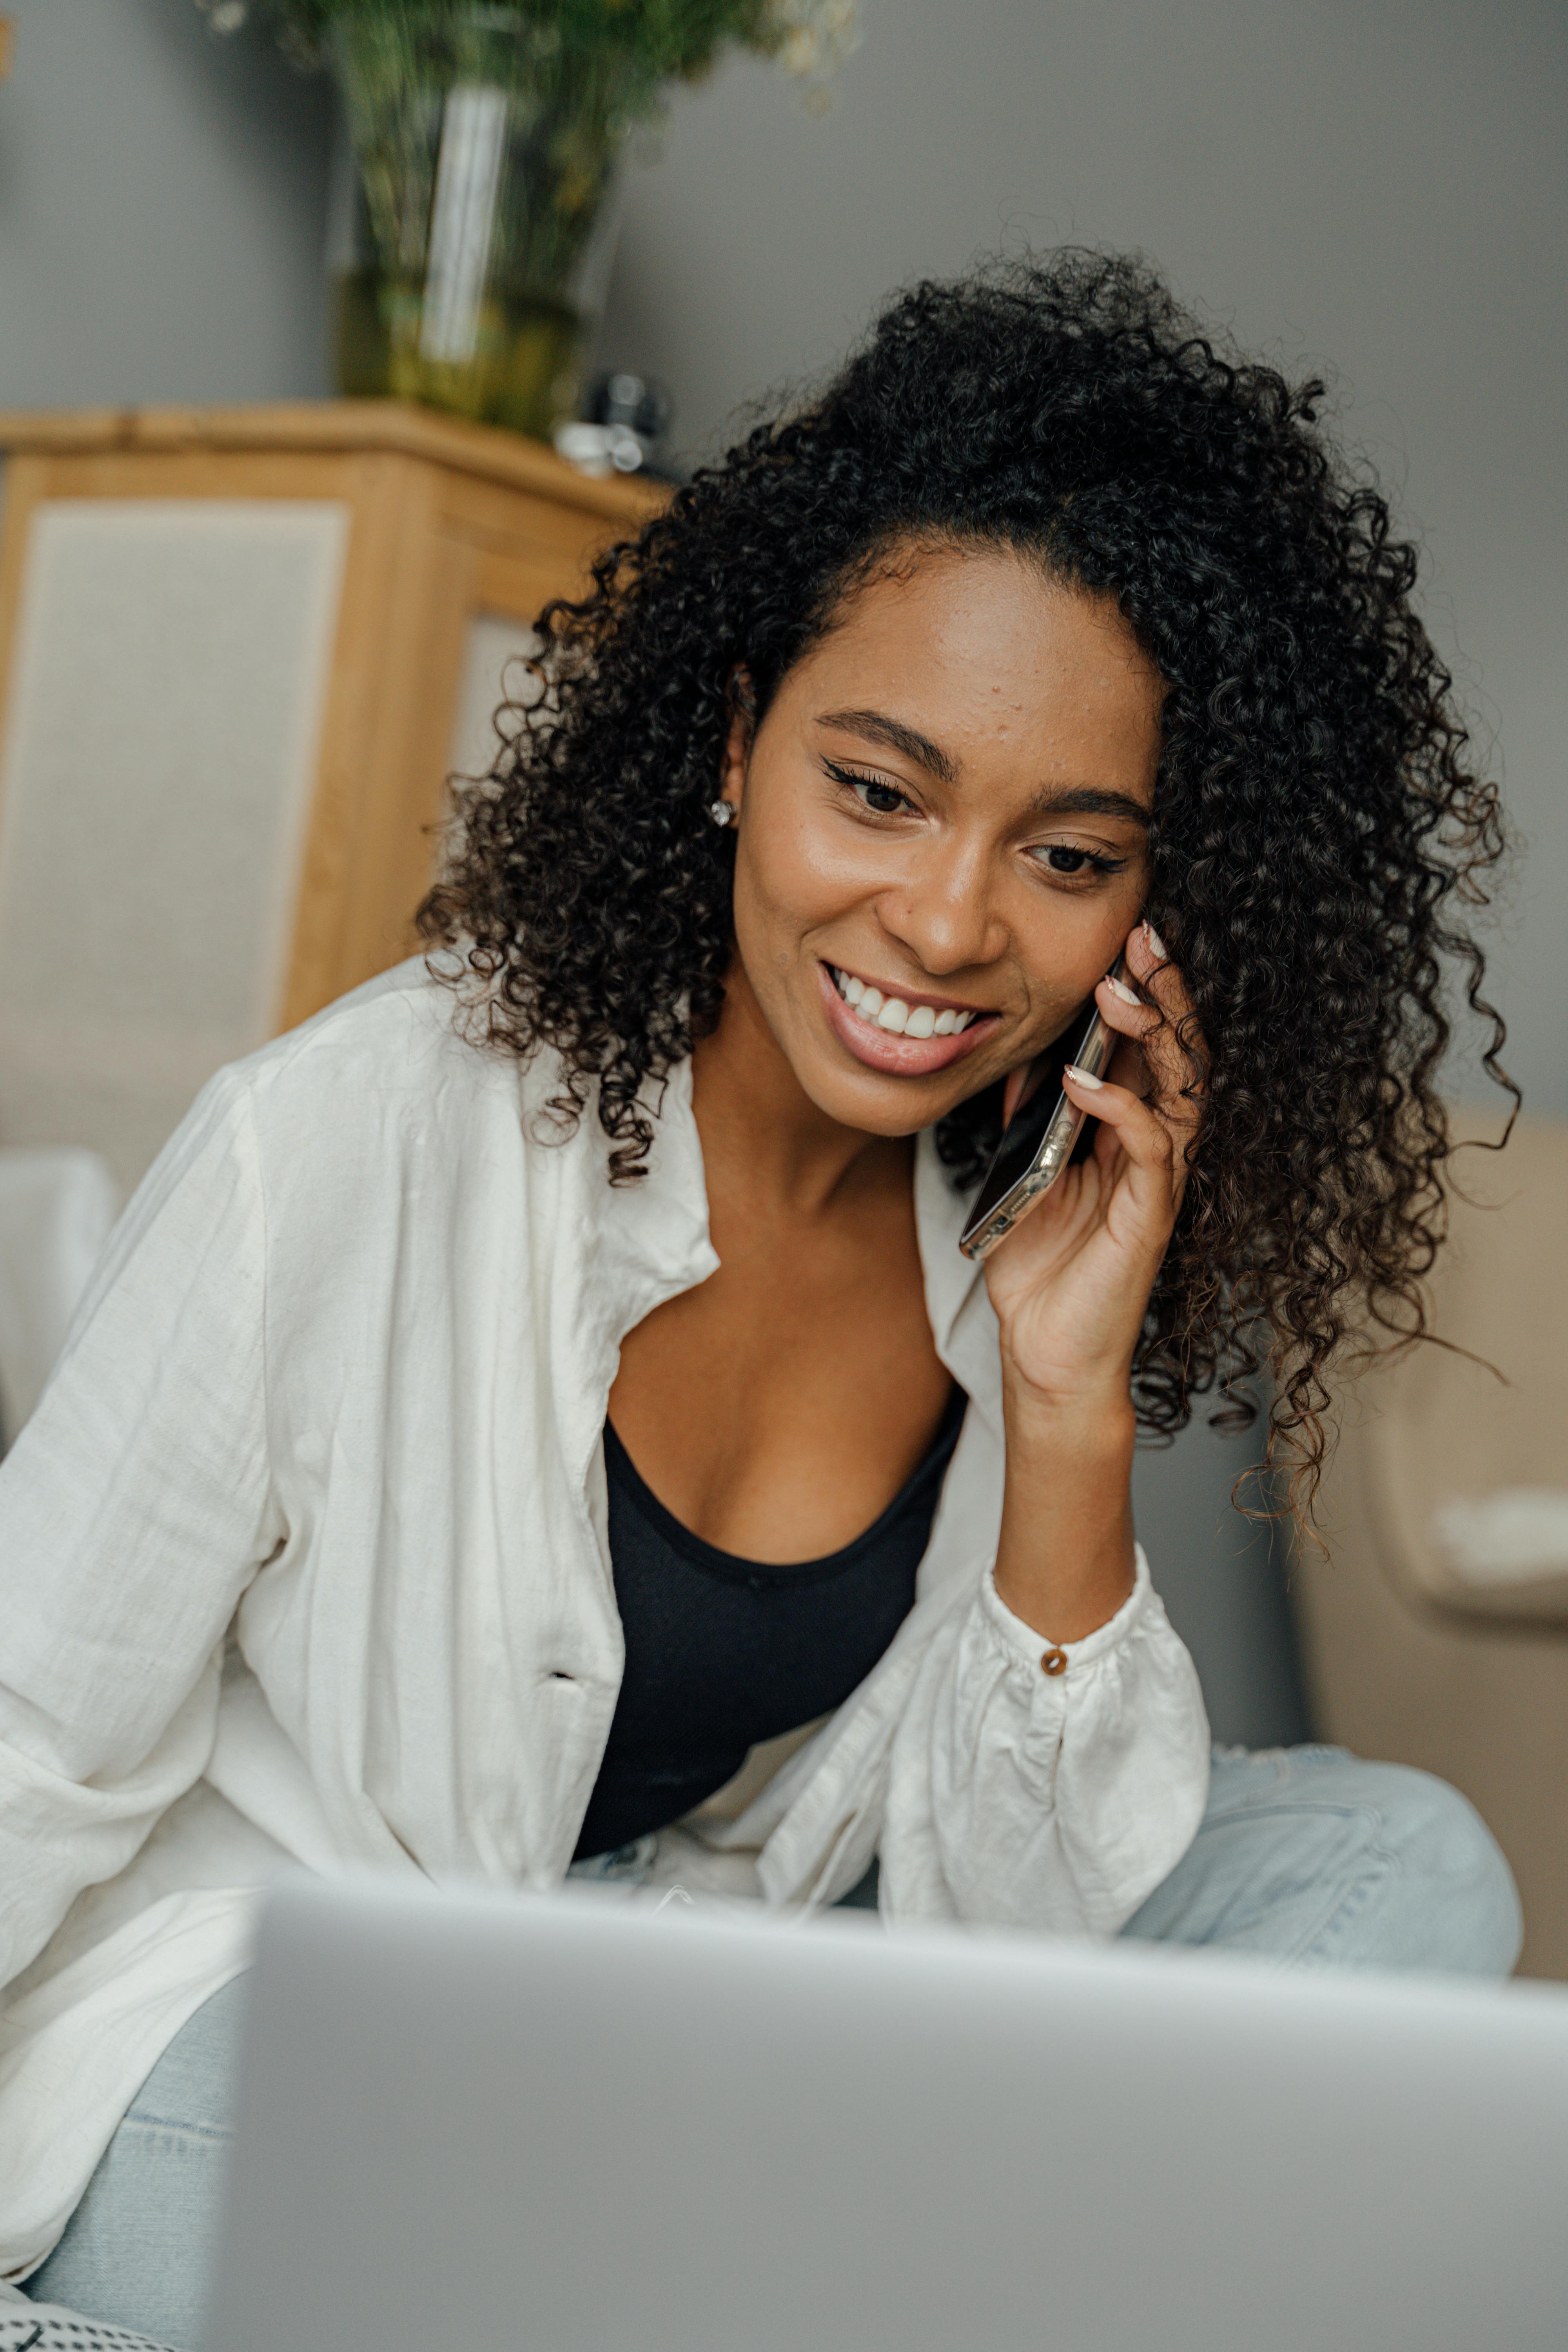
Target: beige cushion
[[1435, 1630], [1453, 1446]]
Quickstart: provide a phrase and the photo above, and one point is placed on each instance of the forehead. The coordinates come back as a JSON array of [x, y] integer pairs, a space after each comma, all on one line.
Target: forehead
[[998, 662]]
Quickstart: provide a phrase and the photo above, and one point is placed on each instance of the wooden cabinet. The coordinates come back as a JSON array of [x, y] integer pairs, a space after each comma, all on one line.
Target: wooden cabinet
[[240, 652]]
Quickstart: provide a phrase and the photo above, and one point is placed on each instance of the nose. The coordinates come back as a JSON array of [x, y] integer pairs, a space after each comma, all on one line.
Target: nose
[[941, 910]]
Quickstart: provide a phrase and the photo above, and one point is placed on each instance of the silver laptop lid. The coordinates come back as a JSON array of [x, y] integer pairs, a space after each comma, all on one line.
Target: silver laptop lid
[[565, 2123]]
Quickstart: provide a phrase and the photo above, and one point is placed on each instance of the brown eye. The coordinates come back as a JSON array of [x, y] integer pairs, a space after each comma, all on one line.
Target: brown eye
[[1062, 859], [875, 794]]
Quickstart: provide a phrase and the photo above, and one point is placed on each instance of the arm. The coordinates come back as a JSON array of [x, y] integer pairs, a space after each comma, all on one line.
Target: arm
[[135, 1508], [1052, 1764], [1070, 1287]]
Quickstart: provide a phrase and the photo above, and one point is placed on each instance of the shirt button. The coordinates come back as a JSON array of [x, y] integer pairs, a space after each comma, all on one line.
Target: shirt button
[[1054, 1662]]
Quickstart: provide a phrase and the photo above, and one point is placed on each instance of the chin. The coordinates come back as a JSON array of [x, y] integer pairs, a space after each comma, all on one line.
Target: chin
[[871, 1104]]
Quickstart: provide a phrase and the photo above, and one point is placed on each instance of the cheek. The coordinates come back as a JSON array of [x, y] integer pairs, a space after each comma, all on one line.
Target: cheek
[[790, 873], [1067, 945]]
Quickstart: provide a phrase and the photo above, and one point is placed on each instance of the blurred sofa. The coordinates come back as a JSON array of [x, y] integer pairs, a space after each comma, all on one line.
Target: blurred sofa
[[1435, 1630]]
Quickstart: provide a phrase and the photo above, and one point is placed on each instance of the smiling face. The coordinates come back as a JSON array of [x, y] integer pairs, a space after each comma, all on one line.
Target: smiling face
[[942, 833]]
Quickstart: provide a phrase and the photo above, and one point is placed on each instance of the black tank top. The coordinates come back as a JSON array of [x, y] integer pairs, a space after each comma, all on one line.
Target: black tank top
[[723, 1653]]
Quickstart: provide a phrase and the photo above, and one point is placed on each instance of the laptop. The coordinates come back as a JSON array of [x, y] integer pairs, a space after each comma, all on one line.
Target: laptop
[[577, 2124]]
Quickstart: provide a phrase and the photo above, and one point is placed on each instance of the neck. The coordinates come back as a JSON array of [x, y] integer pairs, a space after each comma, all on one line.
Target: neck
[[761, 1131]]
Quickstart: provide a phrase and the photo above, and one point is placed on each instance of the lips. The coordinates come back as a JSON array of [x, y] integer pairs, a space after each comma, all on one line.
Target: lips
[[888, 1047]]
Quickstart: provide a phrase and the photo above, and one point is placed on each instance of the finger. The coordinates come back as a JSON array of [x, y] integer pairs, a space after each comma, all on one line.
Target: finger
[[1149, 961], [1132, 1022], [1123, 1009], [1140, 1135], [1171, 1021], [1128, 1066]]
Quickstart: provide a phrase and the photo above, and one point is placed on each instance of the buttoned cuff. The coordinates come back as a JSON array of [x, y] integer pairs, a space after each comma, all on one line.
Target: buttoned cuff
[[1028, 1648]]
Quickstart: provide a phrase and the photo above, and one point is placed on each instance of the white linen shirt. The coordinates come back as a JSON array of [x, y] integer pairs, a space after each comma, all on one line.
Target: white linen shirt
[[303, 1557]]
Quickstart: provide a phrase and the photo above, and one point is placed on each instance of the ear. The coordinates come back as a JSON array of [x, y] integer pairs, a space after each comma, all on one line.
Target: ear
[[738, 743]]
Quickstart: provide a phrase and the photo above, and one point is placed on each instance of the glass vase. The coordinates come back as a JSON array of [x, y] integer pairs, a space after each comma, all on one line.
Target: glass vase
[[486, 151]]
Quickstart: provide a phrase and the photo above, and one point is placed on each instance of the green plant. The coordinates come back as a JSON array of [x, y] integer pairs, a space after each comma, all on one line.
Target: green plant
[[486, 140], [641, 44]]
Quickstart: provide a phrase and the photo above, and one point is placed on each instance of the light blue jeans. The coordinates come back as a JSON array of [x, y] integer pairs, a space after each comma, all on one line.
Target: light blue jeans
[[1305, 1857]]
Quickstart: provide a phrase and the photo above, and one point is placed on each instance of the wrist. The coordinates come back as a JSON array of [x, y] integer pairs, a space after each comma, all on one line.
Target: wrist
[[1096, 1422], [1064, 1559]]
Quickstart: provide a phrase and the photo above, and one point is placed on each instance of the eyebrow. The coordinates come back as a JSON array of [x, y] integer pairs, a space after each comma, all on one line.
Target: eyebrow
[[894, 736], [1052, 799], [1089, 800]]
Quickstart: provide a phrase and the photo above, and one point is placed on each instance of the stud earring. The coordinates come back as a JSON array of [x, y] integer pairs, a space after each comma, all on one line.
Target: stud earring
[[721, 812]]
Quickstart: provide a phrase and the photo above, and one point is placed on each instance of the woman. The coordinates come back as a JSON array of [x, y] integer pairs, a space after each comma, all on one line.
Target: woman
[[551, 1375]]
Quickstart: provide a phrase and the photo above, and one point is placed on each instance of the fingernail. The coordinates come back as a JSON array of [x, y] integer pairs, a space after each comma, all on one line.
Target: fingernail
[[1156, 944], [1120, 987], [1082, 1078]]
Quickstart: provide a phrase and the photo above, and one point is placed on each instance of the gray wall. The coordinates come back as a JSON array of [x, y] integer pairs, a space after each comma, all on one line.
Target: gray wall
[[161, 199], [1375, 183]]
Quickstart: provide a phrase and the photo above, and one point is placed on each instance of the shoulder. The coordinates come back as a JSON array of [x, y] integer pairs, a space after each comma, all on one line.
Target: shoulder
[[387, 1088], [393, 1057], [384, 1042]]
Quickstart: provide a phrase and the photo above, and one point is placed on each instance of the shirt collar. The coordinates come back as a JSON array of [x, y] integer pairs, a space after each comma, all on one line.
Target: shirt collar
[[962, 1320], [650, 1241]]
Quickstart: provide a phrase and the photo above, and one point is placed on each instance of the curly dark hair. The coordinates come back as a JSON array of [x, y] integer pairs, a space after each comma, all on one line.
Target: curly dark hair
[[1321, 833]]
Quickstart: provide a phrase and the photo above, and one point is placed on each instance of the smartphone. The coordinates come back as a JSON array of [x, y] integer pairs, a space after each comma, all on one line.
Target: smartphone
[[1046, 1133]]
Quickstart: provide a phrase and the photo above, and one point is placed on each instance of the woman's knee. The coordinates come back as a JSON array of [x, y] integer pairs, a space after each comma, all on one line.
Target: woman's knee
[[1446, 1899], [1310, 1858], [136, 2253]]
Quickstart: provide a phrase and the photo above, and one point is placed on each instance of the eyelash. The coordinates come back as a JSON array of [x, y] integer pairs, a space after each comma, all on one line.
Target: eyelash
[[853, 781]]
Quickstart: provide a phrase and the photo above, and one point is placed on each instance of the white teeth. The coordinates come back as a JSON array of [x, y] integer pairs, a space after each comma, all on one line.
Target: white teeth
[[891, 1012]]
